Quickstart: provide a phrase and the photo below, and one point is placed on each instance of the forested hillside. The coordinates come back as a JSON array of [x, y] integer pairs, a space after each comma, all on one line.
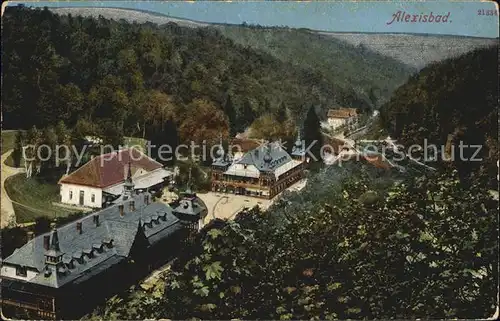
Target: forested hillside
[[350, 246], [124, 78], [451, 102], [371, 75]]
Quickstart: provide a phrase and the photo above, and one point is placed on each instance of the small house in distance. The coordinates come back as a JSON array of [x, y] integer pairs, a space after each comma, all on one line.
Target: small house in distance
[[102, 179], [342, 117], [262, 172]]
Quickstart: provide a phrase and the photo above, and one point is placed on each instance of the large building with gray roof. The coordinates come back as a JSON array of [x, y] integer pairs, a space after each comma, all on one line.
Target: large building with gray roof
[[49, 276], [262, 172]]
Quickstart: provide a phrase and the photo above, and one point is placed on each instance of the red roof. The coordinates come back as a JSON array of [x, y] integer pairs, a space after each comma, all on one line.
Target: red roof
[[342, 113], [377, 161], [110, 169]]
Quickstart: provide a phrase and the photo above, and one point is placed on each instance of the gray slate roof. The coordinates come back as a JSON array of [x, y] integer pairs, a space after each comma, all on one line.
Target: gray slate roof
[[299, 148], [222, 159], [191, 205], [121, 230]]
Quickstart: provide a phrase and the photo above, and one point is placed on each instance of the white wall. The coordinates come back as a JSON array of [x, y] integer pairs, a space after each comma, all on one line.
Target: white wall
[[239, 169], [139, 172], [10, 271], [336, 122], [87, 195]]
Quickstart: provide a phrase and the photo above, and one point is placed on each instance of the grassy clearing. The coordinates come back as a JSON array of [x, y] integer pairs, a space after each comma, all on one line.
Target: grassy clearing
[[135, 142], [37, 196], [8, 140]]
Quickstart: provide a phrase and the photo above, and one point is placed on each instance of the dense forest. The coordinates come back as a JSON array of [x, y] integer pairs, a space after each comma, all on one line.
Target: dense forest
[[117, 78], [372, 76], [353, 245], [449, 102]]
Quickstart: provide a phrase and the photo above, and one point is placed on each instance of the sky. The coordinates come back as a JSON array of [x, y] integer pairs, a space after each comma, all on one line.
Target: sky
[[465, 18]]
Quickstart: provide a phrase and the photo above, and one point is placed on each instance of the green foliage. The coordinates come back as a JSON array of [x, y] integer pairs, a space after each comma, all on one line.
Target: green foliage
[[17, 154], [449, 102], [16, 237], [121, 78], [353, 71], [312, 133], [36, 196], [427, 248], [268, 127]]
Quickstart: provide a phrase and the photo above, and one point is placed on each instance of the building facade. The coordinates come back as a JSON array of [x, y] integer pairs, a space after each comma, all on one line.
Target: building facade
[[65, 273], [262, 172], [101, 179]]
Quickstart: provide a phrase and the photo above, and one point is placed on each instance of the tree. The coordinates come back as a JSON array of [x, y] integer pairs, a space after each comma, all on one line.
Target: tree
[[267, 127], [47, 150], [281, 115], [312, 134], [426, 108], [246, 116], [203, 121], [230, 112], [154, 107], [68, 102], [112, 133], [168, 137], [31, 160], [17, 154], [65, 146], [330, 253]]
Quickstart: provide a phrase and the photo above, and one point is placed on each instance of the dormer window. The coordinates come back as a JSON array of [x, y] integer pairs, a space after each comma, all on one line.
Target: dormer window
[[78, 256], [21, 271], [89, 253], [98, 247], [70, 265], [62, 270], [108, 243]]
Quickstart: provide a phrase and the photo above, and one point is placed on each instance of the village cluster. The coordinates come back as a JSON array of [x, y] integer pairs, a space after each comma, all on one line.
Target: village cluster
[[52, 270]]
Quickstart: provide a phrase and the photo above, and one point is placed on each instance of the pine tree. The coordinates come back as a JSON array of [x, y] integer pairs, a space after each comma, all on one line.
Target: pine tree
[[166, 135], [17, 154], [247, 116], [312, 134], [281, 114], [231, 115]]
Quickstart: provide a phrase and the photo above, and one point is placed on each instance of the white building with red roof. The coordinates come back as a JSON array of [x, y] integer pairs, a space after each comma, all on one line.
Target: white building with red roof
[[342, 117], [101, 179]]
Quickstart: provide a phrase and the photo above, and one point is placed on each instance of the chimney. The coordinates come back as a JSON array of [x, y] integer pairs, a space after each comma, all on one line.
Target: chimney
[[120, 207], [79, 227], [96, 220], [46, 242], [132, 206], [30, 235]]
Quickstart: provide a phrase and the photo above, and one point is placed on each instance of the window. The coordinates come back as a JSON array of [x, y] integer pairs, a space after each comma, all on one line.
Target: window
[[70, 195], [92, 198], [21, 271]]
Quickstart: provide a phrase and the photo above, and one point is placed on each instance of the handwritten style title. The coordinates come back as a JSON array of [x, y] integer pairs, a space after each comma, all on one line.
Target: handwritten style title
[[402, 16]]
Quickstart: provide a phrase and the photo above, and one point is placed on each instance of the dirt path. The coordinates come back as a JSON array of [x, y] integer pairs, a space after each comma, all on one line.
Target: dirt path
[[8, 216]]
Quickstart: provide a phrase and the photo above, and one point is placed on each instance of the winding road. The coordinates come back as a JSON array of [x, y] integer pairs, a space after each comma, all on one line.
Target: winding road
[[8, 216]]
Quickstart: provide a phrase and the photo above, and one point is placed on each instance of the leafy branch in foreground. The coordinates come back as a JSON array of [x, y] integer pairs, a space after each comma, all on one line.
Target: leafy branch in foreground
[[423, 248]]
